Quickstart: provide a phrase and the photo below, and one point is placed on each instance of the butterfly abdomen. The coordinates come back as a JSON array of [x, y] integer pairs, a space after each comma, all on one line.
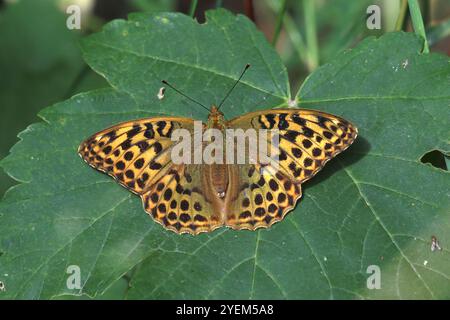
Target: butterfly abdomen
[[219, 179]]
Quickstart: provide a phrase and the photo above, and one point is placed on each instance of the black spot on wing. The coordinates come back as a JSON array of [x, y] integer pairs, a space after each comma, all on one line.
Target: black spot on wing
[[143, 145], [282, 123], [291, 135], [161, 125], [298, 120], [149, 133], [134, 131]]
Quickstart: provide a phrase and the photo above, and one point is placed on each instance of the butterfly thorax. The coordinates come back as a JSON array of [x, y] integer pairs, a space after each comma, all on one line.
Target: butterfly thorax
[[216, 119]]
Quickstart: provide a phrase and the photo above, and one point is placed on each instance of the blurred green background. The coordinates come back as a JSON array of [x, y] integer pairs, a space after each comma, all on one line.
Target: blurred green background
[[40, 61]]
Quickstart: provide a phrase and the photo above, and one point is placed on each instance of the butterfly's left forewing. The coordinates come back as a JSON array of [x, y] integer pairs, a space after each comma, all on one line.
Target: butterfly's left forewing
[[307, 140]]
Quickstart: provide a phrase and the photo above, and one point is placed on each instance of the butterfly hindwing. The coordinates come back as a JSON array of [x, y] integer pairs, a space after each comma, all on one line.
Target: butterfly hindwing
[[179, 203], [265, 196]]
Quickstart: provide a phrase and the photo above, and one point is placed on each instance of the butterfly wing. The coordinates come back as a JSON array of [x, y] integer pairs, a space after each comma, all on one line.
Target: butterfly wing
[[307, 140], [179, 201], [135, 153], [138, 155]]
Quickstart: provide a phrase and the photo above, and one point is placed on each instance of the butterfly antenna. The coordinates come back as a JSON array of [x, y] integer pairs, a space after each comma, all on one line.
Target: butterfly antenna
[[234, 85], [184, 95]]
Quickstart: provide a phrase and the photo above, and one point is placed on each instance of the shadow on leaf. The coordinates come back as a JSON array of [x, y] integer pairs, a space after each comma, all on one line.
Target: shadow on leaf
[[353, 154]]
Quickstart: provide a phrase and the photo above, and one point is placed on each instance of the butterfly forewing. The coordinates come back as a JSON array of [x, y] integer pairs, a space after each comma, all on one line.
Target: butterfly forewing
[[135, 153], [307, 138]]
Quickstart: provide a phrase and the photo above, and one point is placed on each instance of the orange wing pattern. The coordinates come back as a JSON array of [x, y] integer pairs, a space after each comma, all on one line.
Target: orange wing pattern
[[307, 141], [138, 155]]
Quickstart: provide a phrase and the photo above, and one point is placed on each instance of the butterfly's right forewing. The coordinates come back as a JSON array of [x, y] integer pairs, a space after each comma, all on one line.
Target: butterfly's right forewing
[[135, 153]]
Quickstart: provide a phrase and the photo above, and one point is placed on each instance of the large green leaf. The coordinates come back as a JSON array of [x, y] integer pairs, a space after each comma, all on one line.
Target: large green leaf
[[40, 64], [376, 204]]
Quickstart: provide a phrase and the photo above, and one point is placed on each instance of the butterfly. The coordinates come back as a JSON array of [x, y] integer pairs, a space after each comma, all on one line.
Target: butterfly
[[194, 198]]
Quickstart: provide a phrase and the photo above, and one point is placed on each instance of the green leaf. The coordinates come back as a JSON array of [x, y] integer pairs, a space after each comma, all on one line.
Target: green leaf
[[135, 55], [400, 101], [39, 63], [376, 204]]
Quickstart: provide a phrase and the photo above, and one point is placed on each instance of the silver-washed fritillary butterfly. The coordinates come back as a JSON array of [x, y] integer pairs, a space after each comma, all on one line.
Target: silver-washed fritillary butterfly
[[195, 198]]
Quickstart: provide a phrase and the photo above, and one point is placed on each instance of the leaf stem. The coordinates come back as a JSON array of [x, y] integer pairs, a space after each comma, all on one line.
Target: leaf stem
[[296, 37], [279, 22], [311, 34], [401, 15], [293, 33], [193, 7], [417, 21]]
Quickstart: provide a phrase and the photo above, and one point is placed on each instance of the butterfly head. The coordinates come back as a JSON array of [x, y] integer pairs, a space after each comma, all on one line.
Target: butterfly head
[[214, 111], [215, 115]]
